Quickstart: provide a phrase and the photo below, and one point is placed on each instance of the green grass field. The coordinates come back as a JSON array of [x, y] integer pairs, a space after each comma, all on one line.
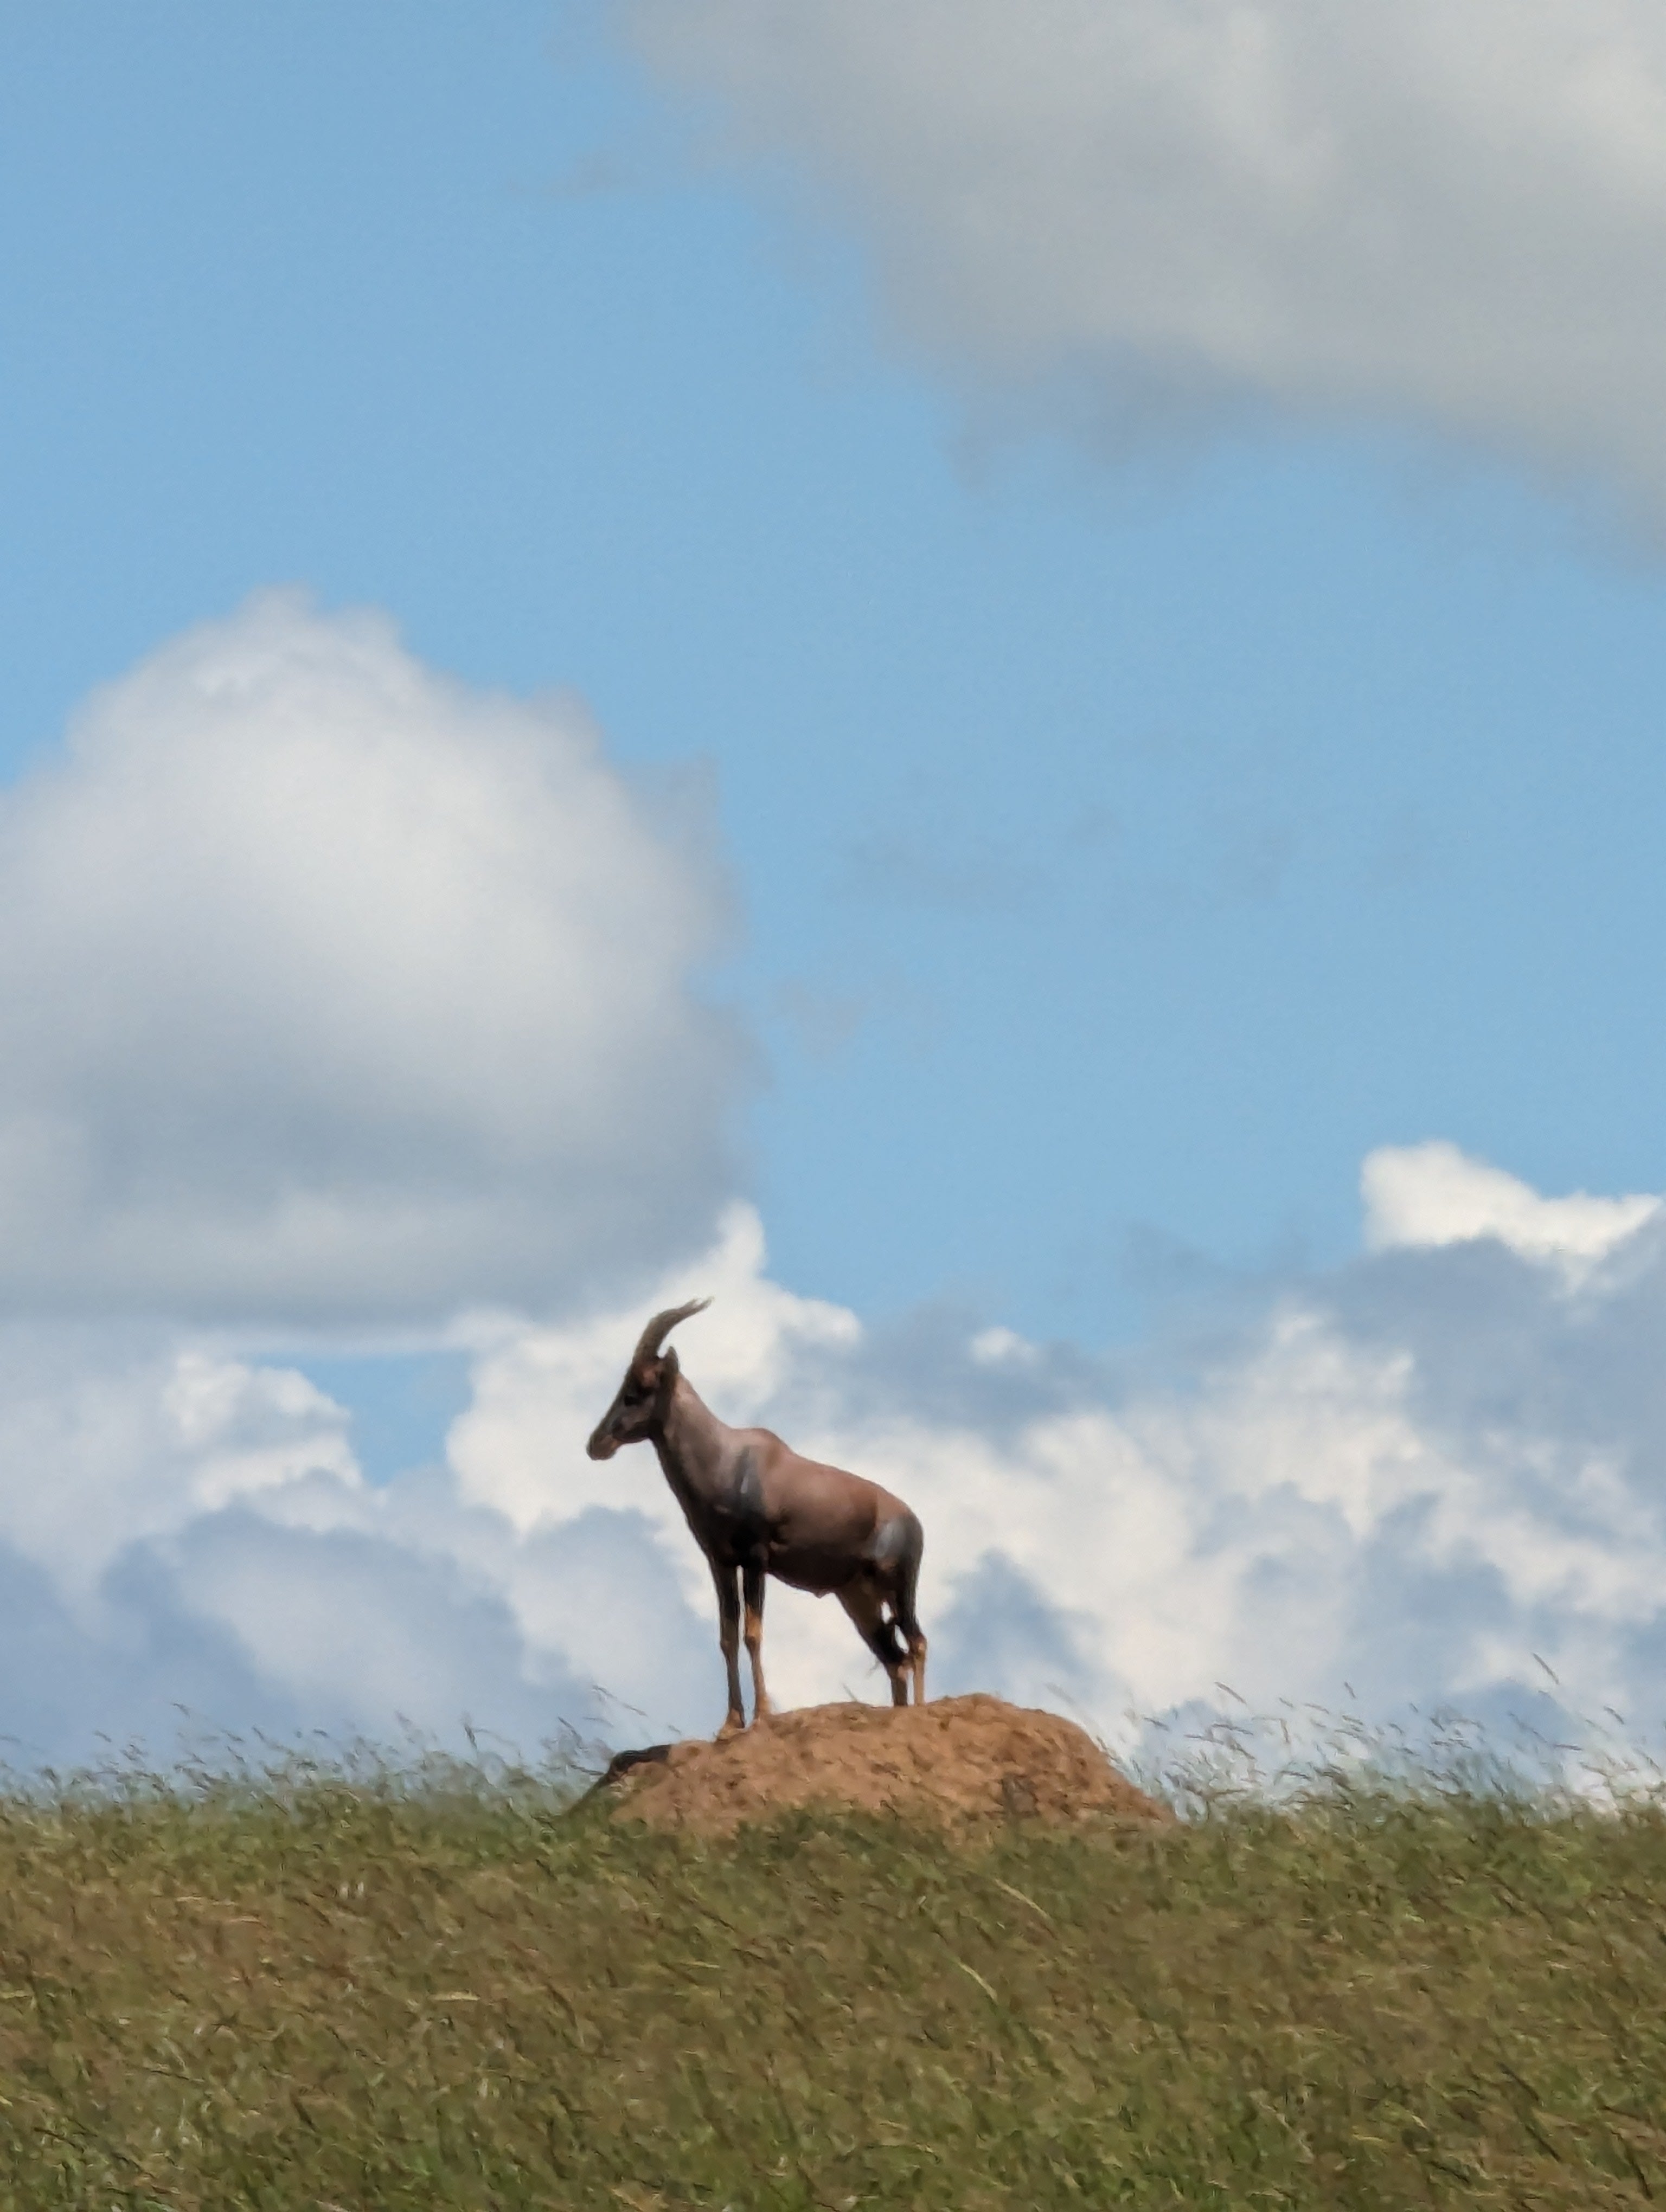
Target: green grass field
[[363, 1993]]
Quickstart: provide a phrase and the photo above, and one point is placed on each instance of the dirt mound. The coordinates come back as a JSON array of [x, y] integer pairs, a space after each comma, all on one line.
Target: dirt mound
[[956, 1759]]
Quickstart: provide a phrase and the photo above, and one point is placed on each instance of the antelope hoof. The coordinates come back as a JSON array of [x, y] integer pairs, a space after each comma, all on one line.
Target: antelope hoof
[[731, 1726]]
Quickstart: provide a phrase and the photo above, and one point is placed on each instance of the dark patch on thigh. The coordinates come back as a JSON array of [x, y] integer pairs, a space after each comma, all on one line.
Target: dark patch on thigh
[[739, 1516], [748, 1488]]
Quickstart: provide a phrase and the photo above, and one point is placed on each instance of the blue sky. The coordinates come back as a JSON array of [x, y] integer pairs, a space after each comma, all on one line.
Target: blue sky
[[1120, 785]]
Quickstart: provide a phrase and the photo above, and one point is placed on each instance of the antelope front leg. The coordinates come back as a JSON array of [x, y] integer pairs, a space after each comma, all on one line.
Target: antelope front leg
[[728, 1635], [752, 1581]]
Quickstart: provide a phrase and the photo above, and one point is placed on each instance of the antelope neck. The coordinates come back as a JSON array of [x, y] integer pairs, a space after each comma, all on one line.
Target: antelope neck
[[690, 1443]]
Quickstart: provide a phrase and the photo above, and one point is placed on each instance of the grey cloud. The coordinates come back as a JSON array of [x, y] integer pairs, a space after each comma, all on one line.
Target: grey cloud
[[1001, 1627], [141, 1676], [243, 1630], [921, 1367], [359, 1633], [1501, 1346], [1453, 217]]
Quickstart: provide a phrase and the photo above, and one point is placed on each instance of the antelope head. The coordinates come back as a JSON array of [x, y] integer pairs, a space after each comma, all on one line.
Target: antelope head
[[642, 1401]]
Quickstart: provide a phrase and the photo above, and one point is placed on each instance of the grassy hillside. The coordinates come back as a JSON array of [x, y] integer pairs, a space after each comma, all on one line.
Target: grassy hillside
[[341, 1995]]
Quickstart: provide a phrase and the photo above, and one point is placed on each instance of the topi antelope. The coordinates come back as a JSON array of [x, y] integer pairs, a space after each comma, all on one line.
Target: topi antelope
[[756, 1509]]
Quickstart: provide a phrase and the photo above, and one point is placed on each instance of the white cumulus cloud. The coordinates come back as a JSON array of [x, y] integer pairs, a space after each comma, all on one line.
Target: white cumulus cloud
[[331, 989], [1452, 212], [1432, 1194]]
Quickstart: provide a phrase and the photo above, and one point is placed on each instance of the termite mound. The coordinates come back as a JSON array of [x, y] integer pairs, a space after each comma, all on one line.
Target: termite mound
[[955, 1761]]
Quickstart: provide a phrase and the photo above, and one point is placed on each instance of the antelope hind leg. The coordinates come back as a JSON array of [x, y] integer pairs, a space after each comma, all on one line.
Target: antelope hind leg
[[908, 1621], [862, 1603]]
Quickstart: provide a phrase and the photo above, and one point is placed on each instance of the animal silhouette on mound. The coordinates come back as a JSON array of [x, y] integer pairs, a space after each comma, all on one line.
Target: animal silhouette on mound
[[756, 1508]]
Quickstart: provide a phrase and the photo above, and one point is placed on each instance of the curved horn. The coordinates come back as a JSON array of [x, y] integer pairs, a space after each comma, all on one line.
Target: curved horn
[[648, 1344]]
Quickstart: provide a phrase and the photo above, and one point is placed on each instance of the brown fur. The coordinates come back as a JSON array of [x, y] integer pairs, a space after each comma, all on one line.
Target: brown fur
[[756, 1508]]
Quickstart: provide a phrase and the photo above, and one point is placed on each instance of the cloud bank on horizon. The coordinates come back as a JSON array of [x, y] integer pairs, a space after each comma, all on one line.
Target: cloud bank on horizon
[[1449, 215], [1432, 1478]]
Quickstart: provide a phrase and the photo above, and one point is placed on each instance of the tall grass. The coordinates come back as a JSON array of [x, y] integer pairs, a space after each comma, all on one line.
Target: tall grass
[[345, 1984]]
